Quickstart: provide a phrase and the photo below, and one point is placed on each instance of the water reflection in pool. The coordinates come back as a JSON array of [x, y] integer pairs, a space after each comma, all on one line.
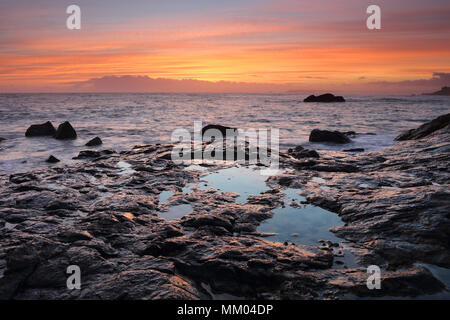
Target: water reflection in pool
[[176, 212], [242, 180], [300, 224], [164, 196]]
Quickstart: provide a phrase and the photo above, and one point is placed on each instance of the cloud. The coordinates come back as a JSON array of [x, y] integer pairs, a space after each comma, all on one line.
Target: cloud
[[310, 85], [131, 83], [438, 80]]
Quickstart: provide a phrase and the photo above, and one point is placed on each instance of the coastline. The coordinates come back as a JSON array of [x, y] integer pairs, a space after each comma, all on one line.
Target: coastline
[[105, 215]]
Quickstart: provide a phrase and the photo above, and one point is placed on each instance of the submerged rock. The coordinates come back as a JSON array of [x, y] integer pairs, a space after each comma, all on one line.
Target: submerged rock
[[327, 97], [425, 129], [52, 159], [328, 136], [65, 131], [44, 129], [94, 142]]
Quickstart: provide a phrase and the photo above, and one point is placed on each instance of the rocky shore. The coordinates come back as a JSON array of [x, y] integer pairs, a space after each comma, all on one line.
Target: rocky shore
[[104, 214]]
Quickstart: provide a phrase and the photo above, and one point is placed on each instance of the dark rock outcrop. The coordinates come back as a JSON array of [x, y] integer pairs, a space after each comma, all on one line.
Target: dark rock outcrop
[[327, 97], [393, 202], [65, 131], [220, 128], [328, 136], [52, 159], [94, 142], [425, 129], [85, 154], [38, 130], [300, 153]]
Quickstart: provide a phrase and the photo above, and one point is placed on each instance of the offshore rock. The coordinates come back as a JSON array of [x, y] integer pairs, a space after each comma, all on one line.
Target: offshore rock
[[65, 131], [37, 130], [94, 142], [327, 97]]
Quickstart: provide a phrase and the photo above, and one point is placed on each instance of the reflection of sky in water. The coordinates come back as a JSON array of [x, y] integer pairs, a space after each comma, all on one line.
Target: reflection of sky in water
[[164, 196], [195, 167], [125, 168], [242, 180], [176, 212], [310, 223]]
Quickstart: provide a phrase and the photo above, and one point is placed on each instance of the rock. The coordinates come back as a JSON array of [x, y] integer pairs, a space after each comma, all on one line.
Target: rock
[[65, 131], [84, 154], [304, 153], [37, 130], [328, 136], [222, 129], [2, 139], [335, 167], [208, 220], [425, 129], [445, 91], [94, 142], [52, 159], [88, 215], [354, 150], [328, 97]]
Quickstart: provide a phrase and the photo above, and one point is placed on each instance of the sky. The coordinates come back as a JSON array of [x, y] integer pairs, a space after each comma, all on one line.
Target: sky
[[225, 46]]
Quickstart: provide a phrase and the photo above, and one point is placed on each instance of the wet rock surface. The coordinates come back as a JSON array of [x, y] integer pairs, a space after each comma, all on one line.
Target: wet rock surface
[[299, 153], [426, 129], [395, 203], [328, 136], [104, 214], [94, 142]]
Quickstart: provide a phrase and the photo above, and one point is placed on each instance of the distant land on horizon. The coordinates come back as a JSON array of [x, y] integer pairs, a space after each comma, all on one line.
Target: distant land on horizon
[[445, 91], [146, 84]]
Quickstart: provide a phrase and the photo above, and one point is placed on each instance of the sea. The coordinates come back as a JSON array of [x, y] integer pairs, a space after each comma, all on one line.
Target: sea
[[125, 120]]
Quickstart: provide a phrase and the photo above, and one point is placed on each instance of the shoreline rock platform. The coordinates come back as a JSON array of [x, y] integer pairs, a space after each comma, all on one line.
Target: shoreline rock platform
[[109, 221]]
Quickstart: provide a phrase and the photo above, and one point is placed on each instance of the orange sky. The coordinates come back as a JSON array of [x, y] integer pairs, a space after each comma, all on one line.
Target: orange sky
[[296, 45]]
